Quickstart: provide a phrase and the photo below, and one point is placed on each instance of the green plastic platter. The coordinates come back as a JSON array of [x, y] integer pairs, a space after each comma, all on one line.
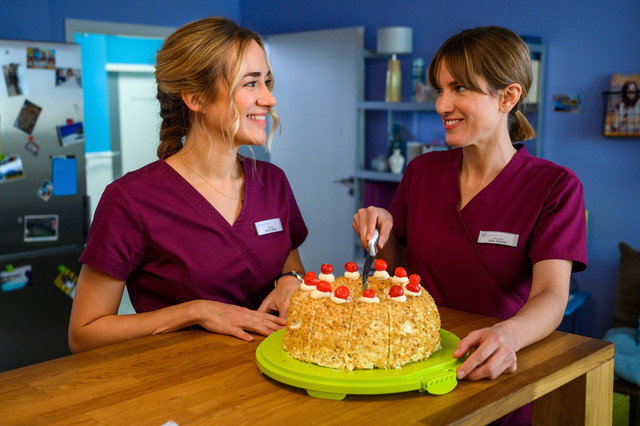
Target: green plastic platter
[[436, 375]]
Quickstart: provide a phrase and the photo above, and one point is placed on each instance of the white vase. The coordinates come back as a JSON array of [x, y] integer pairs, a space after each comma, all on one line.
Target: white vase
[[396, 161]]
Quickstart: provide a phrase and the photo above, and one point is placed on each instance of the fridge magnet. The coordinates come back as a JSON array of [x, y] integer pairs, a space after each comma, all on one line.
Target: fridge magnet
[[71, 133], [11, 169], [14, 79], [65, 175], [69, 77], [66, 281], [15, 278], [41, 58], [566, 103], [622, 116], [27, 117], [32, 147], [41, 228], [46, 190]]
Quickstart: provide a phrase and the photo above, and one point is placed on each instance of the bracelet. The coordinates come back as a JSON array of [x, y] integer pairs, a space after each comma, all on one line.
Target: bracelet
[[292, 273]]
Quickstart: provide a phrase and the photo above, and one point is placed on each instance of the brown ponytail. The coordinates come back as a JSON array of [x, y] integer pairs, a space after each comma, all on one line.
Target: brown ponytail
[[519, 127]]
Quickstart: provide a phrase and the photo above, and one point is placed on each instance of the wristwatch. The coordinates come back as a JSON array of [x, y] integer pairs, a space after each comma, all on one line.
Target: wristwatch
[[292, 273]]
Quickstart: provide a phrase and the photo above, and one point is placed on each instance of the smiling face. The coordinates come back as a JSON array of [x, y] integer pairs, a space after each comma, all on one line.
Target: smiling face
[[252, 98], [469, 117]]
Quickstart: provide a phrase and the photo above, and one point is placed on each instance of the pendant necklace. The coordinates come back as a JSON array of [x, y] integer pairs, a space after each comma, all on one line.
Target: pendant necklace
[[210, 184]]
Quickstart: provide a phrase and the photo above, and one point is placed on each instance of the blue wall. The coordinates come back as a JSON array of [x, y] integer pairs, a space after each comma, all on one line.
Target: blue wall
[[44, 19], [587, 41]]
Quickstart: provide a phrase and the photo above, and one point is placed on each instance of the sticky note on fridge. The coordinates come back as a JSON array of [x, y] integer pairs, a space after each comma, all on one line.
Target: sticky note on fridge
[[65, 175]]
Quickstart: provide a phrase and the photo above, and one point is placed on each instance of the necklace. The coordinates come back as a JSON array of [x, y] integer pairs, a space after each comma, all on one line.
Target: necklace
[[210, 184]]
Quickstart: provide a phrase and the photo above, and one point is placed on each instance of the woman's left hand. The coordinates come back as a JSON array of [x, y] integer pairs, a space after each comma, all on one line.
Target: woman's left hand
[[278, 299], [493, 353]]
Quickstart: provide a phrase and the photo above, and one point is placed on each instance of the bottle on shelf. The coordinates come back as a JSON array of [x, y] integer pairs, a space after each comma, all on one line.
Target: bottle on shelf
[[394, 81]]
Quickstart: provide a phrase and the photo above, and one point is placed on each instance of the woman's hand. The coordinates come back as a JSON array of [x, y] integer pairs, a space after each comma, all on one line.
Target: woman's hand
[[493, 353], [365, 221], [278, 299], [233, 320]]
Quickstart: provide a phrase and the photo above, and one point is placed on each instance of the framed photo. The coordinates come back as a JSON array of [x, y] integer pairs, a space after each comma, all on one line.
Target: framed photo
[[71, 133], [11, 169], [41, 58], [41, 228], [27, 117], [17, 278]]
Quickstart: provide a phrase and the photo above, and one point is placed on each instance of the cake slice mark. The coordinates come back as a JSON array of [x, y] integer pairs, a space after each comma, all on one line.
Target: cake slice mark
[[328, 345]]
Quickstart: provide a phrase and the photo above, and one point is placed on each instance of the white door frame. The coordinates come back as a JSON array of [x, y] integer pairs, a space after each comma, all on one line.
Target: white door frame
[[73, 26]]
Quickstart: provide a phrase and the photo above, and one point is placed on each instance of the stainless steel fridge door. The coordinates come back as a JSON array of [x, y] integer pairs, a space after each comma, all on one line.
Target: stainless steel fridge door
[[60, 104]]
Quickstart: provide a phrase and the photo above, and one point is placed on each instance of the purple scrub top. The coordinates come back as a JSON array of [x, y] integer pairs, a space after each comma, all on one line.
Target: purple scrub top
[[468, 259], [153, 230]]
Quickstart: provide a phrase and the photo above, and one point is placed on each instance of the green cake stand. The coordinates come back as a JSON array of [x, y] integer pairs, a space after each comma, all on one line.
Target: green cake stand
[[436, 375]]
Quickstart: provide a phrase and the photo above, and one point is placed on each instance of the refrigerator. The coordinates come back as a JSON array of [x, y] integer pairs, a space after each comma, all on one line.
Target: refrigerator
[[43, 203]]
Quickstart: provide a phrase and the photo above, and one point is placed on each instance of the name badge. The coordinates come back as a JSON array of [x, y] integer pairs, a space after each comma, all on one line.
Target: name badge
[[268, 226], [499, 238]]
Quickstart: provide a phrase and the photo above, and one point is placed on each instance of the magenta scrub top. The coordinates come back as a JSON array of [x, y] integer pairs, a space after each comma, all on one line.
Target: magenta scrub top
[[153, 230], [532, 200]]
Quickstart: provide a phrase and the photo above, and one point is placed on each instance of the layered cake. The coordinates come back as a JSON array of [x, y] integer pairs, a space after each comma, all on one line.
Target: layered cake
[[332, 322]]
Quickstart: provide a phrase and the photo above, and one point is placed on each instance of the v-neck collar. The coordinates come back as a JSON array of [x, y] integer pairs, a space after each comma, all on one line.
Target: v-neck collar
[[520, 154], [192, 194]]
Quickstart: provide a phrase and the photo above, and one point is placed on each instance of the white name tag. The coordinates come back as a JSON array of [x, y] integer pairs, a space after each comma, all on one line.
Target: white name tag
[[500, 238], [268, 226]]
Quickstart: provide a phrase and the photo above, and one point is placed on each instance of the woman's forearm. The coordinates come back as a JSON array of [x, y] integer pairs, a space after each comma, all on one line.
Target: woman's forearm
[[113, 328]]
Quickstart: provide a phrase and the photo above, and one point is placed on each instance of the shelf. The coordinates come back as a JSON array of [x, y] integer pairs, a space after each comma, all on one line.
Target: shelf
[[378, 176], [397, 106]]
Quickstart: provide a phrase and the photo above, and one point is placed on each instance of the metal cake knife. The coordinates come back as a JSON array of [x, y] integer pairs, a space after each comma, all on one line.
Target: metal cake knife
[[368, 261]]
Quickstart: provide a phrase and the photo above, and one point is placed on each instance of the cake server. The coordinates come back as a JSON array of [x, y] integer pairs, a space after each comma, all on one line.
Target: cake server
[[368, 261]]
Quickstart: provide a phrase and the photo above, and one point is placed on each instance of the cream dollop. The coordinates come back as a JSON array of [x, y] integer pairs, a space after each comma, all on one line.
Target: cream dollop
[[352, 275], [306, 287], [411, 293], [326, 277], [400, 280], [338, 300], [402, 298], [375, 299], [316, 294], [383, 275]]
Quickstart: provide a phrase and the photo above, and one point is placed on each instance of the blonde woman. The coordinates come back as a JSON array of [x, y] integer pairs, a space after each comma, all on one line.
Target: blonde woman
[[200, 236]]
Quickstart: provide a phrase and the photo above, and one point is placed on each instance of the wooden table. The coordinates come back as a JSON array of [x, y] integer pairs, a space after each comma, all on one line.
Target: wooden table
[[195, 377]]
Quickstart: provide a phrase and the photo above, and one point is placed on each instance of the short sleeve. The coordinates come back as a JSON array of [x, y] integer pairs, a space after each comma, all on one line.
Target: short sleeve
[[561, 230], [116, 243]]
